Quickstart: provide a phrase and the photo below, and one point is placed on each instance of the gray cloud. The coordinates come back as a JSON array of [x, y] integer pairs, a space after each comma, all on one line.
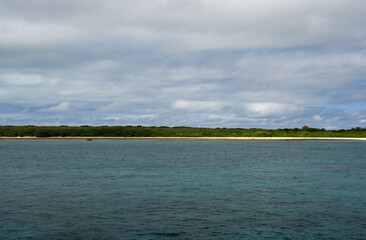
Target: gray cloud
[[198, 63]]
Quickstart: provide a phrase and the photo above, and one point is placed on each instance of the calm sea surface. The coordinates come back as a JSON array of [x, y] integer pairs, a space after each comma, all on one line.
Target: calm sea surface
[[76, 189]]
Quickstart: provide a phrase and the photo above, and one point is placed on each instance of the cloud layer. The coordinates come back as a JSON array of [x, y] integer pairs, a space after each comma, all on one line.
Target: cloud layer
[[207, 63]]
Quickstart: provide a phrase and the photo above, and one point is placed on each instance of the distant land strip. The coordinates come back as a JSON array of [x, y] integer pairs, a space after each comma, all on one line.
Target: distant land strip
[[181, 133], [185, 138]]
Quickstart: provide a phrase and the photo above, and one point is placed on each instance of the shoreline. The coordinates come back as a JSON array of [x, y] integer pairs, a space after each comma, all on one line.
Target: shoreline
[[188, 138]]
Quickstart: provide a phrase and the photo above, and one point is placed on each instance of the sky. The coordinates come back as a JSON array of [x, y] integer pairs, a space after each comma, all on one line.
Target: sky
[[200, 63]]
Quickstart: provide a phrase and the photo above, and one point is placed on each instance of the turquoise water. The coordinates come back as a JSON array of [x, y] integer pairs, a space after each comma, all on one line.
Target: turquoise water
[[182, 189]]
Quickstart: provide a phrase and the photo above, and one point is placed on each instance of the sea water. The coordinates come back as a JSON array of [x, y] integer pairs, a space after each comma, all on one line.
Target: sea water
[[74, 189]]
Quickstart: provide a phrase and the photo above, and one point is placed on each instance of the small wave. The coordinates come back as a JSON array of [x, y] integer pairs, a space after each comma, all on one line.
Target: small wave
[[174, 234]]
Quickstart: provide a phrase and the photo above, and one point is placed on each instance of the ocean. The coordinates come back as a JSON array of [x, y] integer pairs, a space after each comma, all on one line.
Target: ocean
[[135, 189]]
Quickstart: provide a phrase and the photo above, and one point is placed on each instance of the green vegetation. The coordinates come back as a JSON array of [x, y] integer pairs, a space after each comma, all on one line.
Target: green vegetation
[[163, 131]]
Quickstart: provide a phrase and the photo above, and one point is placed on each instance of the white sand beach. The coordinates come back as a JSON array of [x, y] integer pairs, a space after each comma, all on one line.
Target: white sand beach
[[185, 138]]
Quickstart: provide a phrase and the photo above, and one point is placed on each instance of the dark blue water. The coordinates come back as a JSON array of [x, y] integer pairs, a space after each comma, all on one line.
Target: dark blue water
[[182, 190]]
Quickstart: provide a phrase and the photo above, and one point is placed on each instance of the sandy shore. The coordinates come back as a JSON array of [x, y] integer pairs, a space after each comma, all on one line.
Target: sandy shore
[[186, 138]]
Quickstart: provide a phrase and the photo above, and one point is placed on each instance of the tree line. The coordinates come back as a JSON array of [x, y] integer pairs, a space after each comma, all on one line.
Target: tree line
[[164, 131]]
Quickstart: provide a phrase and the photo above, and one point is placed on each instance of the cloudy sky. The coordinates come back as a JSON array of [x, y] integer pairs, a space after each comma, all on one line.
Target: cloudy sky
[[232, 63]]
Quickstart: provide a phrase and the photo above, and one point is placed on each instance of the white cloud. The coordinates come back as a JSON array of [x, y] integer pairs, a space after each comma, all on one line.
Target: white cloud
[[197, 106], [62, 107], [317, 118], [271, 109], [112, 118], [37, 35], [102, 65], [130, 118], [363, 121], [16, 79]]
